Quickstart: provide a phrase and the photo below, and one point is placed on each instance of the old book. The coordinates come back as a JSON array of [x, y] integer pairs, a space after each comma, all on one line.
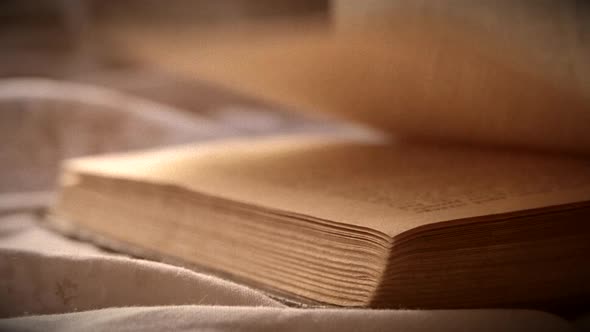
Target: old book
[[349, 222]]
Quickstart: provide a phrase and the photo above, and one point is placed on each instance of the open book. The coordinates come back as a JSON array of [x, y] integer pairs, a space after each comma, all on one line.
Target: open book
[[357, 222], [350, 222]]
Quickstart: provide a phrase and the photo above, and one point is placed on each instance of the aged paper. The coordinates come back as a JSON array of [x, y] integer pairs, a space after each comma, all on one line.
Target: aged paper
[[390, 188]]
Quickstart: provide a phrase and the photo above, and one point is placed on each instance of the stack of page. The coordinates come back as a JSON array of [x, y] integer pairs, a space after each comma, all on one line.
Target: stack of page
[[347, 221]]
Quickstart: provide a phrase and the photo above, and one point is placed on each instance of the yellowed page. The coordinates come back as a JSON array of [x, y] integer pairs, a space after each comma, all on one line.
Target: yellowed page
[[417, 77], [390, 188]]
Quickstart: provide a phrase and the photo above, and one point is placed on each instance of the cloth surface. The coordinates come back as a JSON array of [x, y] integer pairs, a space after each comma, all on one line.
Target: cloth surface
[[204, 318]]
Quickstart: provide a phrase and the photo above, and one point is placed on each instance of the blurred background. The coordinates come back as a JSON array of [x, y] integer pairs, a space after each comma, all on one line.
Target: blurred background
[[84, 77], [64, 38]]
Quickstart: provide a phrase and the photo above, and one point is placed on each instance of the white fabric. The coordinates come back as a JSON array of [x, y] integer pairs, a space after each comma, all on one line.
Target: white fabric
[[208, 318]]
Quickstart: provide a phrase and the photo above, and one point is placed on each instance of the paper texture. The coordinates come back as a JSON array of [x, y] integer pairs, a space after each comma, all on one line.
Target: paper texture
[[388, 188], [420, 78], [80, 288]]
